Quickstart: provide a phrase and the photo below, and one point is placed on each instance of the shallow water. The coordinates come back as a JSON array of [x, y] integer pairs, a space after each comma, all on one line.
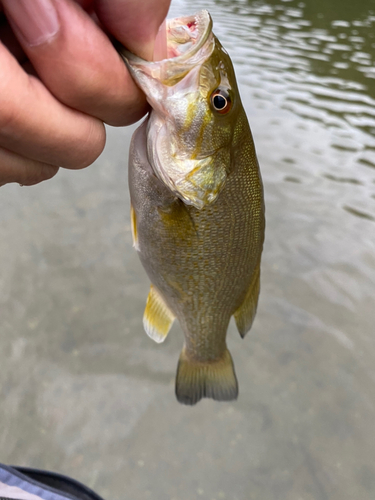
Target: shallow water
[[85, 392]]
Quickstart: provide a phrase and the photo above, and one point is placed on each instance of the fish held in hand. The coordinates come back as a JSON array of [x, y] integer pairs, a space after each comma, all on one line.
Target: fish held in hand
[[197, 205]]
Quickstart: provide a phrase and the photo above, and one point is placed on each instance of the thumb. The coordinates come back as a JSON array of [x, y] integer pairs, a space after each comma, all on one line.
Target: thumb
[[35, 21], [134, 23]]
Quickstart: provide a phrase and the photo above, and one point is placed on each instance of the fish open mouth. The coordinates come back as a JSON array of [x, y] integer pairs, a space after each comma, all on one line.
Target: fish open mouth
[[189, 41], [195, 179], [186, 35]]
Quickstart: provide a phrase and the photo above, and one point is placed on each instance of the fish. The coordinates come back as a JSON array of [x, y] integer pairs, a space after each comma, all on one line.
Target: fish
[[197, 205]]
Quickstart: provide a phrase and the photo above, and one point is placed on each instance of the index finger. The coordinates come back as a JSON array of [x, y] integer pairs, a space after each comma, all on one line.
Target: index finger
[[33, 123], [75, 59]]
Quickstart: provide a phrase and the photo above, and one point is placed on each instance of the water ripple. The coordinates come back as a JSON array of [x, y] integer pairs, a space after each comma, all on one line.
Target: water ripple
[[306, 74]]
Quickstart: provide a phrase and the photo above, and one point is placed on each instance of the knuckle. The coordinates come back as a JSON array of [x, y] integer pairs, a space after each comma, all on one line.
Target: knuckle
[[39, 173], [8, 117], [90, 146], [47, 172], [10, 88], [14, 168]]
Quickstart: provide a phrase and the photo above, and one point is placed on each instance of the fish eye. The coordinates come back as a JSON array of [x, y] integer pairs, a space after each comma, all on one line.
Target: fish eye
[[221, 101]]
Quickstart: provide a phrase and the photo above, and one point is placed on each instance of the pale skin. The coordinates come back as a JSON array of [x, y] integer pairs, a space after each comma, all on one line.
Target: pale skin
[[61, 80]]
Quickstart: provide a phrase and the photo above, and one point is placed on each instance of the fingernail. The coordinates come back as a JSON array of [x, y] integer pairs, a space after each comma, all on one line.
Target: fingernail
[[35, 20]]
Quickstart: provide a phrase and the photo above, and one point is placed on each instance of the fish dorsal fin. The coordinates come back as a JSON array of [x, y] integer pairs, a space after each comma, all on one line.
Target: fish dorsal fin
[[245, 314], [133, 221], [158, 318]]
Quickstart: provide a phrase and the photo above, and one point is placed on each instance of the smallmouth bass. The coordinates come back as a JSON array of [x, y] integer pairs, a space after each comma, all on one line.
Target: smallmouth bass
[[197, 205]]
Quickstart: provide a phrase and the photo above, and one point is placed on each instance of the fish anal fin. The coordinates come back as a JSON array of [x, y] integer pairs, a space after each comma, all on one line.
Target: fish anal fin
[[157, 318], [245, 314], [133, 222], [196, 380]]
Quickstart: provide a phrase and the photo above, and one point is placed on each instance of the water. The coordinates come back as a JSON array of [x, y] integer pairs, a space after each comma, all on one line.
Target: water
[[83, 389]]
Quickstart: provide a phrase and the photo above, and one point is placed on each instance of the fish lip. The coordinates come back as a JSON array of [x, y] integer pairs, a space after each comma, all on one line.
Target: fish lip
[[203, 21]]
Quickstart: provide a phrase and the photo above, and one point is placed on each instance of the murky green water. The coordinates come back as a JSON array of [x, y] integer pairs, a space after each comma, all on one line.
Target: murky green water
[[85, 392]]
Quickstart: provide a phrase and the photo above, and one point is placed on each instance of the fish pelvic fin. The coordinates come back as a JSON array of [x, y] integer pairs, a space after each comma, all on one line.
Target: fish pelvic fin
[[212, 379], [157, 318], [133, 222], [245, 314]]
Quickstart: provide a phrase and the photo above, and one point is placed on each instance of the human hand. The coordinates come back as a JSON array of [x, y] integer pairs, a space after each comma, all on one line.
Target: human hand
[[61, 78]]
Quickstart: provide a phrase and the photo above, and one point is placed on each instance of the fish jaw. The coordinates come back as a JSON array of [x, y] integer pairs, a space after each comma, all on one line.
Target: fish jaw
[[179, 145], [189, 43]]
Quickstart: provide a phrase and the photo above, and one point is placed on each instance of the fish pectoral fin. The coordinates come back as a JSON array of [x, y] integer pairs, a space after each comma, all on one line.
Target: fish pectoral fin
[[245, 314], [211, 379], [133, 222], [157, 318]]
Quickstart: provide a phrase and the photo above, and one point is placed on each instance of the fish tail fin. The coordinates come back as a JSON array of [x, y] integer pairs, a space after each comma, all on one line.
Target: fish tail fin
[[196, 380]]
